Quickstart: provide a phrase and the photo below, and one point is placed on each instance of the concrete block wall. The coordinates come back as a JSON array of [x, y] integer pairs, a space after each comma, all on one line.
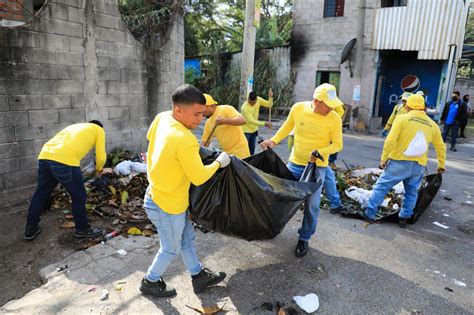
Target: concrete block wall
[[318, 43], [77, 61]]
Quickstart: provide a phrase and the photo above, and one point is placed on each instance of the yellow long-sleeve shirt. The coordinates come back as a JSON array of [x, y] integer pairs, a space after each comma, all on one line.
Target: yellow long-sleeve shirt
[[339, 110], [231, 138], [71, 145], [312, 131], [397, 110], [173, 163], [251, 114], [404, 130]]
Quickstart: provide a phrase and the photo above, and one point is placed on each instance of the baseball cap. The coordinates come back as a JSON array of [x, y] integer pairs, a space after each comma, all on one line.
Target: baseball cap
[[416, 102], [209, 100], [327, 93]]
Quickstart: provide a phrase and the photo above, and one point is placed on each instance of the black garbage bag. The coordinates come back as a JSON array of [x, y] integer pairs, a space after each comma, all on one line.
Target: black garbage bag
[[244, 201], [269, 162]]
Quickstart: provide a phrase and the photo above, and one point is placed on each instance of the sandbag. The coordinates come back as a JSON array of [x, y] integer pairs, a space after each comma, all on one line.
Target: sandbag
[[244, 201]]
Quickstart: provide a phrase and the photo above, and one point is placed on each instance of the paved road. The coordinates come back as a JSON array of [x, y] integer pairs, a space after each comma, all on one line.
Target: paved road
[[352, 268]]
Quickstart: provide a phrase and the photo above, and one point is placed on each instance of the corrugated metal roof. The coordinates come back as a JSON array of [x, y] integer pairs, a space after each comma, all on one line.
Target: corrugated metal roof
[[426, 26]]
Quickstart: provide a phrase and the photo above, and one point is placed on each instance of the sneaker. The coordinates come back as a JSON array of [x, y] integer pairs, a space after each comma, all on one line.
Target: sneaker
[[337, 210], [31, 232], [402, 223], [301, 248], [157, 289], [205, 279], [90, 232]]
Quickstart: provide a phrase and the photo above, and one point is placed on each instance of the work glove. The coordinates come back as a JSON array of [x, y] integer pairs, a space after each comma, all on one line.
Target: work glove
[[385, 133], [440, 170], [223, 159]]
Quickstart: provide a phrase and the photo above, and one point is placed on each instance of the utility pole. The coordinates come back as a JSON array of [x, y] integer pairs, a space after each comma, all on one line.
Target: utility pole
[[248, 53], [362, 111]]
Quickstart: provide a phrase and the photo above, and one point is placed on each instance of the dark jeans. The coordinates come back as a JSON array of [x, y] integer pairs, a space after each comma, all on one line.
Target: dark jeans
[[333, 157], [454, 132], [462, 127], [50, 173], [252, 140]]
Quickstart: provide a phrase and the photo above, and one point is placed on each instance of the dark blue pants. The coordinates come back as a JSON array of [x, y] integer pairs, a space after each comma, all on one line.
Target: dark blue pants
[[333, 157], [252, 140], [454, 132], [50, 173]]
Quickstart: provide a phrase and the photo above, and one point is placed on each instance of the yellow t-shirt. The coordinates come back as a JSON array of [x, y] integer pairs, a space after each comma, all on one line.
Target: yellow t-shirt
[[71, 145], [312, 131], [251, 114], [397, 110], [404, 130], [173, 163], [231, 138]]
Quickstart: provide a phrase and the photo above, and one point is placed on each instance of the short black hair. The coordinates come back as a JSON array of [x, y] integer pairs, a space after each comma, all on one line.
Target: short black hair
[[457, 93], [253, 96], [188, 94], [96, 122], [465, 97]]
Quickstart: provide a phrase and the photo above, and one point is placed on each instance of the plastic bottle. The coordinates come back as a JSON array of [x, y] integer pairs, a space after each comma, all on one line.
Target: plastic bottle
[[110, 236]]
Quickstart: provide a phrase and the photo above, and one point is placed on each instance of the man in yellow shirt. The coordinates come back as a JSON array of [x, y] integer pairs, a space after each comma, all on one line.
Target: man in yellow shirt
[[404, 158], [316, 127], [397, 110], [227, 123], [59, 162], [250, 110], [173, 164]]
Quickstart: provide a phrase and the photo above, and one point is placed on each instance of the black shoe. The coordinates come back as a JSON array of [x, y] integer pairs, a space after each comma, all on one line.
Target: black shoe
[[402, 223], [337, 210], [157, 289], [453, 149], [90, 232], [31, 232], [205, 279], [367, 219], [463, 136], [301, 248]]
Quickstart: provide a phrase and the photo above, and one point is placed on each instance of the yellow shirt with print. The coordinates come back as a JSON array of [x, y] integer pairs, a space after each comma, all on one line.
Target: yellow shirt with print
[[70, 145], [231, 138], [312, 131], [251, 114], [404, 130], [173, 163]]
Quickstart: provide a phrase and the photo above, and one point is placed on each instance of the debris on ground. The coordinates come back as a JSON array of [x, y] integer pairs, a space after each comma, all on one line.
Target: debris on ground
[[207, 310], [308, 303], [441, 225], [105, 295], [459, 283], [59, 269], [448, 198], [122, 252], [448, 289]]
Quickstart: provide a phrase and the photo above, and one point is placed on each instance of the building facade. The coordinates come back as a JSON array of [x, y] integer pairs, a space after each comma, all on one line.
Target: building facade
[[408, 46]]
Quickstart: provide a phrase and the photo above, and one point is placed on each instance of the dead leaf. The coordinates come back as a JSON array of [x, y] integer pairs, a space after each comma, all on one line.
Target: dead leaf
[[123, 197], [113, 190], [107, 170], [207, 310], [68, 216], [68, 225], [147, 233], [113, 203]]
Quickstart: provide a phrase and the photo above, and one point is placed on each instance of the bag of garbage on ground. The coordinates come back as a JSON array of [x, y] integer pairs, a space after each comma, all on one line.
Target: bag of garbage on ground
[[244, 201], [127, 167]]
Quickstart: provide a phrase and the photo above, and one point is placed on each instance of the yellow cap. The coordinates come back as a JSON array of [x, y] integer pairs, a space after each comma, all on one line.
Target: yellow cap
[[209, 100], [416, 102], [327, 93], [405, 96]]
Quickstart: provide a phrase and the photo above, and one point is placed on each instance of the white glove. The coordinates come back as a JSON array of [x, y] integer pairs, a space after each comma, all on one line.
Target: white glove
[[223, 159]]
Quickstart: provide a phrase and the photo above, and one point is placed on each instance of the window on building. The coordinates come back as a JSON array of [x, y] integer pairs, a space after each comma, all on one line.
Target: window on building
[[331, 77], [333, 8], [394, 3]]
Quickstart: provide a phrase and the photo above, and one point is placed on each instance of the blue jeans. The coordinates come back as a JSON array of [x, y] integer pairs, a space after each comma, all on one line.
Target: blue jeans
[[176, 237], [252, 141], [454, 132], [311, 205], [50, 173], [330, 189], [411, 173]]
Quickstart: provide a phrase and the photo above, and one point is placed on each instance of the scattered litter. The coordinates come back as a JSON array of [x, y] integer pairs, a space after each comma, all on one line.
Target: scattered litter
[[448, 289], [396, 207], [105, 295], [469, 202], [127, 167], [68, 216], [459, 283], [365, 171], [122, 282], [360, 195], [59, 269], [110, 236], [122, 252], [260, 293], [441, 225], [92, 289], [118, 288], [207, 310], [445, 215], [448, 198], [385, 203], [68, 225], [436, 271], [134, 231], [442, 190], [308, 303], [107, 170]]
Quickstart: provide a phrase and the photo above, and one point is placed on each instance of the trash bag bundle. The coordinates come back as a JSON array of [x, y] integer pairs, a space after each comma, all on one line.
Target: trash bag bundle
[[252, 199]]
